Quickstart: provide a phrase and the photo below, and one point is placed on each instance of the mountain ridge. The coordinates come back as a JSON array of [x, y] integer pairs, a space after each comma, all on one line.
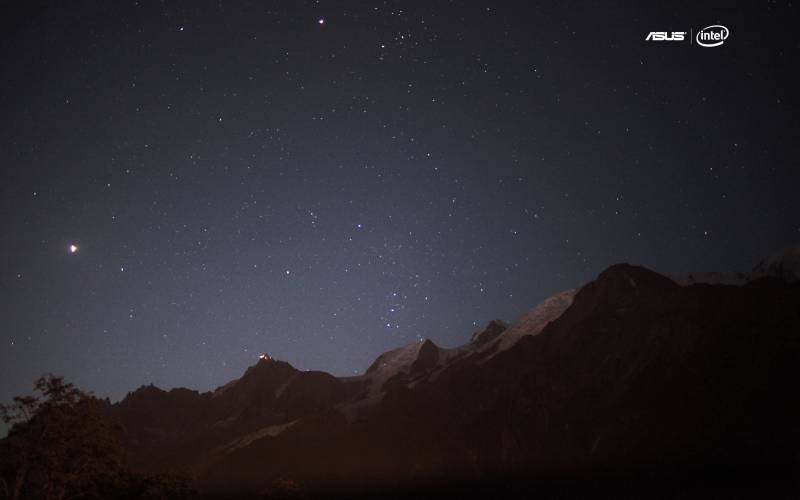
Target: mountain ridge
[[629, 370]]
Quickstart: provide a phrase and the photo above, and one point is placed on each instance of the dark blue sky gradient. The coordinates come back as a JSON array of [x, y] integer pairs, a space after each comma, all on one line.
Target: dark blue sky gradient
[[243, 179]]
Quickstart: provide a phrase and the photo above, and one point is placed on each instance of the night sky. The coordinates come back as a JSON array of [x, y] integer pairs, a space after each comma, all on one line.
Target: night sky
[[325, 181]]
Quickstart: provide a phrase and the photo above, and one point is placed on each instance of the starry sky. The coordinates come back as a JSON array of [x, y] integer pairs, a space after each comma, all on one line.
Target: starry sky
[[324, 181]]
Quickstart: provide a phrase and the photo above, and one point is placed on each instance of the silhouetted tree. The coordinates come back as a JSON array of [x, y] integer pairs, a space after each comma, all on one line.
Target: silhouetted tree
[[61, 445]]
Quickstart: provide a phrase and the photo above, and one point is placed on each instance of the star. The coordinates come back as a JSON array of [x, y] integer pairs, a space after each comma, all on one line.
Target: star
[[321, 21], [73, 248]]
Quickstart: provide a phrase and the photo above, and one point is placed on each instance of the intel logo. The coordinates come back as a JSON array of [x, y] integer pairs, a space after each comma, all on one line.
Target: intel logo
[[712, 36]]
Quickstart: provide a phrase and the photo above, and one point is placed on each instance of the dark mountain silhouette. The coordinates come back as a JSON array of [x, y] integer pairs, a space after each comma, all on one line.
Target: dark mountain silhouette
[[631, 380]]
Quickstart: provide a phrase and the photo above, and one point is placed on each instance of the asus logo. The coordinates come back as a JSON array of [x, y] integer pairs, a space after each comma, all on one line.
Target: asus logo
[[666, 36]]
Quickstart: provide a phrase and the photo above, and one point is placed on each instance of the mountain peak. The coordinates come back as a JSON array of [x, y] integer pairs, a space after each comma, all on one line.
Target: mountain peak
[[492, 330], [627, 276], [266, 375], [427, 358], [267, 365], [145, 391]]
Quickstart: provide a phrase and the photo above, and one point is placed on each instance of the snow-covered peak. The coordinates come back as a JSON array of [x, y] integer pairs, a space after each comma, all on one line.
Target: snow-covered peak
[[403, 361], [534, 321]]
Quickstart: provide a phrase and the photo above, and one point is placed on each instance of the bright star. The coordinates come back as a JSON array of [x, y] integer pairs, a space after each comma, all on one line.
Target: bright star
[[321, 21], [73, 248]]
